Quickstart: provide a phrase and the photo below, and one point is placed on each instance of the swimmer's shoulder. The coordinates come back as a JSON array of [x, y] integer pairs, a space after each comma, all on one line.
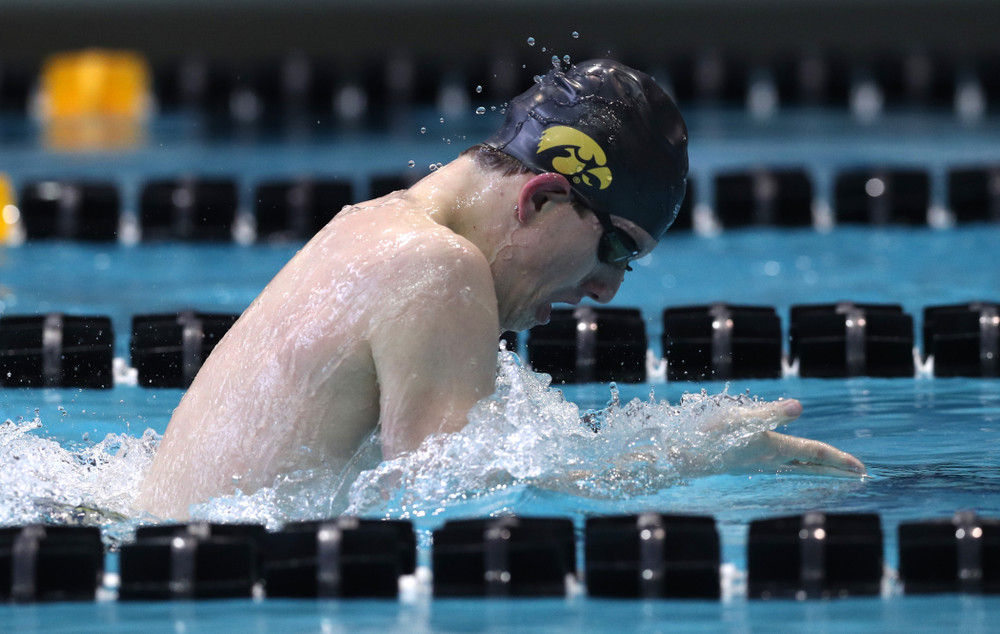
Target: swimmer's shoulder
[[387, 205], [407, 234], [433, 254]]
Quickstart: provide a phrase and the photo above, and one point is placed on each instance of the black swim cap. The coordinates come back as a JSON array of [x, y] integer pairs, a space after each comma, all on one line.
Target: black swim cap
[[609, 128]]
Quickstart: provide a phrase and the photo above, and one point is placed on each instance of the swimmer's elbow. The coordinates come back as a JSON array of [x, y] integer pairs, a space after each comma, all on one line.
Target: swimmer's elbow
[[151, 504], [400, 439], [393, 446], [390, 441]]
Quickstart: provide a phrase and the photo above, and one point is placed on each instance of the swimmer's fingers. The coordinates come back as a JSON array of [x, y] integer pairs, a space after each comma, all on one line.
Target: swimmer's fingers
[[784, 453], [775, 413], [797, 468], [815, 456], [779, 412]]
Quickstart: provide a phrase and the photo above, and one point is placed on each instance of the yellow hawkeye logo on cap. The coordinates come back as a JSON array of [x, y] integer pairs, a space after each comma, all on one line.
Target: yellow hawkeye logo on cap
[[582, 158]]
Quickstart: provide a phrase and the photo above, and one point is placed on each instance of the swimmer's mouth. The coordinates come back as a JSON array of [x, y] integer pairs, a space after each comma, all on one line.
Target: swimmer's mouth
[[544, 312]]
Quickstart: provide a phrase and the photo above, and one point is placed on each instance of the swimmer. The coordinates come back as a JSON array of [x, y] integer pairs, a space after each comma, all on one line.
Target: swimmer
[[387, 321]]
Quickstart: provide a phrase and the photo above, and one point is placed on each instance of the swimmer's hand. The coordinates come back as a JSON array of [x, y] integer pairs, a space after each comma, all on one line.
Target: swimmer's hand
[[773, 452]]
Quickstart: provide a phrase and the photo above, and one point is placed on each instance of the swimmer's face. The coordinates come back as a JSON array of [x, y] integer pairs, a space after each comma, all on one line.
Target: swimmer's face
[[571, 255]]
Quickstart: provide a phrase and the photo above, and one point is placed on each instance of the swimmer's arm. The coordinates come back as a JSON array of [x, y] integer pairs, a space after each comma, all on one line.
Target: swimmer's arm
[[767, 452], [437, 359], [773, 452]]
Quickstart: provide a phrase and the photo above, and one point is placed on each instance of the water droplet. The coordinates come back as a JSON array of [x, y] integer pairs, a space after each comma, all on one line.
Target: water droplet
[[531, 41], [411, 163], [480, 110], [432, 166], [566, 59], [537, 79], [555, 61], [423, 130], [493, 108], [575, 35], [442, 119], [544, 49], [479, 89]]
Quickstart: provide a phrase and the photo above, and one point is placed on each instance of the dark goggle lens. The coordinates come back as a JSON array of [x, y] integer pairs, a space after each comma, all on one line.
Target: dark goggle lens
[[616, 247]]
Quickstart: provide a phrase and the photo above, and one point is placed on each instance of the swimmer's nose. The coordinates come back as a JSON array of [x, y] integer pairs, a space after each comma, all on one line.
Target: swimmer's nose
[[603, 285]]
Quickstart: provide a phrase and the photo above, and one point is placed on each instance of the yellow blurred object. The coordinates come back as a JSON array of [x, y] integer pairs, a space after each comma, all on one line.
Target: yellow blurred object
[[94, 99], [9, 213], [95, 83]]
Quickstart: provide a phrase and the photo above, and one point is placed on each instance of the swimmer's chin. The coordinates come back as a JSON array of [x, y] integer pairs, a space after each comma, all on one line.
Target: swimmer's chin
[[543, 314], [526, 319]]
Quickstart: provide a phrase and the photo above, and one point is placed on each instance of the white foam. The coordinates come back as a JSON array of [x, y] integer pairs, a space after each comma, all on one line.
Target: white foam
[[528, 435], [524, 439], [87, 483]]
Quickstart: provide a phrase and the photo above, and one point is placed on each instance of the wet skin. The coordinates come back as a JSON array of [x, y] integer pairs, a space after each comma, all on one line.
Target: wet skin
[[387, 321]]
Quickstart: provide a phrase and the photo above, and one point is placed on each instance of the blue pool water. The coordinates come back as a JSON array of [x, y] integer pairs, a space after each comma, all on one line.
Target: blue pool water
[[932, 445]]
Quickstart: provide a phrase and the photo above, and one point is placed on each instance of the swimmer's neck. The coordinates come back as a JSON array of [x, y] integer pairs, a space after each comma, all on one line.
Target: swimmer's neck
[[474, 203]]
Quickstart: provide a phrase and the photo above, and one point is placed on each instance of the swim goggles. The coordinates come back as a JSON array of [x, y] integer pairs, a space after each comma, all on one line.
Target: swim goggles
[[616, 246]]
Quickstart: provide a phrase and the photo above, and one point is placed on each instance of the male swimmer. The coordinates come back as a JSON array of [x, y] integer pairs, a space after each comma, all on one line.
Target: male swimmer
[[389, 317]]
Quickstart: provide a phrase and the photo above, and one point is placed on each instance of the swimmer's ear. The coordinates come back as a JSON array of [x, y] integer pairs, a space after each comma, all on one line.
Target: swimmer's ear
[[539, 190]]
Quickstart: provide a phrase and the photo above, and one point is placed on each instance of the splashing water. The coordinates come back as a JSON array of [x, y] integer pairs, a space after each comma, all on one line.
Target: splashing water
[[526, 437], [92, 483]]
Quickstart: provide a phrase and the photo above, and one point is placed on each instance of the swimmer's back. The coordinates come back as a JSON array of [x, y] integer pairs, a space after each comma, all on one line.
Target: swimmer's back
[[293, 384]]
